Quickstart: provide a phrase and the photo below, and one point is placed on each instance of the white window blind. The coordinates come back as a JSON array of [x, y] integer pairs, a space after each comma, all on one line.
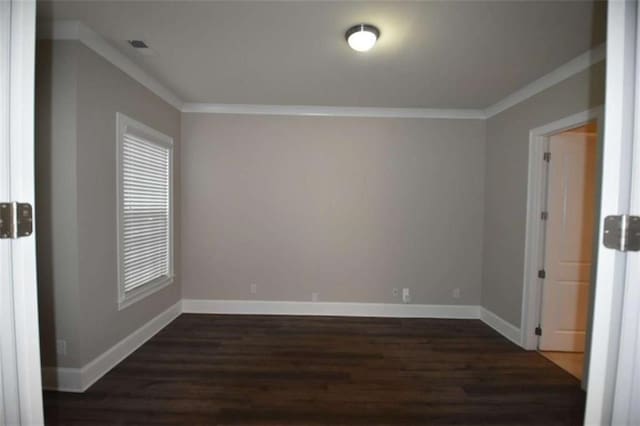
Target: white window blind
[[145, 213]]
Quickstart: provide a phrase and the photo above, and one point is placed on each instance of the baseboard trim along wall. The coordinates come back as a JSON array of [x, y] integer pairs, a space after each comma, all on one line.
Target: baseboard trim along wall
[[259, 307], [79, 379], [503, 327]]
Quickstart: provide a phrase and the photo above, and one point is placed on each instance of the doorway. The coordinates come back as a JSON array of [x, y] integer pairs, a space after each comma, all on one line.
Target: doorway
[[569, 222], [560, 250]]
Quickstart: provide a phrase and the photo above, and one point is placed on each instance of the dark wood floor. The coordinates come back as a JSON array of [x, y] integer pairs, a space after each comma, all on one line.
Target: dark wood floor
[[276, 370]]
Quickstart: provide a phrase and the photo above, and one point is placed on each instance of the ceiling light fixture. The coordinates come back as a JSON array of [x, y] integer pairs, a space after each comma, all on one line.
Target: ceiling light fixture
[[362, 37]]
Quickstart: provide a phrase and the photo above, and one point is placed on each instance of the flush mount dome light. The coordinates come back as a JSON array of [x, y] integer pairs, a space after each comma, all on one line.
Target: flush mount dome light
[[362, 37]]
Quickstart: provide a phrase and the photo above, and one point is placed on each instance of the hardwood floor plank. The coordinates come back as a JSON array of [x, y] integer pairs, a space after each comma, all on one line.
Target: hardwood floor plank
[[294, 370]]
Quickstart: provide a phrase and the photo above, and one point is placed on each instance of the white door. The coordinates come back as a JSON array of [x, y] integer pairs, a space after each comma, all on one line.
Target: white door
[[20, 385], [569, 239], [614, 367], [626, 407]]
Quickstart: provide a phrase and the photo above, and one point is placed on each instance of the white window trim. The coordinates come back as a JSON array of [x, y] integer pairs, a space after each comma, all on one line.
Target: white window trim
[[124, 125]]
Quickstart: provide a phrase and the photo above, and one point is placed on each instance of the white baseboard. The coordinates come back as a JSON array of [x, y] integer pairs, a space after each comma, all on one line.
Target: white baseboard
[[503, 327], [256, 307], [62, 379], [80, 379]]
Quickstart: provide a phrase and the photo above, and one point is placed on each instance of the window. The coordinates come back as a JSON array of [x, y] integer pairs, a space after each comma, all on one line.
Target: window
[[145, 213]]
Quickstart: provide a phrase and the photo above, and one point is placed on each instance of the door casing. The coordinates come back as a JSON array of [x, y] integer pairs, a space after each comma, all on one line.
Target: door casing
[[536, 203]]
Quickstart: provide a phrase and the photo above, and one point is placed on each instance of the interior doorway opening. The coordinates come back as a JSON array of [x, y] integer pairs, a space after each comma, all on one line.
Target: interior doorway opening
[[569, 239], [561, 239]]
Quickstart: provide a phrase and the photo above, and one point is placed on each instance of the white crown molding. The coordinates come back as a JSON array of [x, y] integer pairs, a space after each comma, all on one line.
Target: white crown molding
[[393, 310], [571, 68], [334, 111], [502, 326], [80, 379], [76, 30]]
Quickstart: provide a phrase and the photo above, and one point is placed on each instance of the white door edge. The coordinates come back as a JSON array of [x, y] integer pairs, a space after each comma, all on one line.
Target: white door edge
[[615, 194], [8, 388], [627, 388], [20, 362]]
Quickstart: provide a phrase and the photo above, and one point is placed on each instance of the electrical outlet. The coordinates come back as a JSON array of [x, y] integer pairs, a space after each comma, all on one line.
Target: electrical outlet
[[395, 292], [254, 288], [456, 293], [61, 347], [314, 297], [406, 296]]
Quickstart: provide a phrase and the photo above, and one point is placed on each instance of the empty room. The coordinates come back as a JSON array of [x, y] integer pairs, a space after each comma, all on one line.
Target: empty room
[[320, 213]]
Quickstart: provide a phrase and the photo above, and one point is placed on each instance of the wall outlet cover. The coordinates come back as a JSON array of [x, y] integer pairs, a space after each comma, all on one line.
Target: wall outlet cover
[[254, 288], [456, 293], [314, 297], [395, 292], [61, 347], [406, 296]]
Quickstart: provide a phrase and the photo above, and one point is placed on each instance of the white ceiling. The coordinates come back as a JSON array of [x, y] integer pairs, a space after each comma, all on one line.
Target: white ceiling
[[439, 54]]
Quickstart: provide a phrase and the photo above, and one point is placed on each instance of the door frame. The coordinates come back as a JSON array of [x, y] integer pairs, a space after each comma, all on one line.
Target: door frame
[[535, 229], [20, 377], [617, 398], [621, 117]]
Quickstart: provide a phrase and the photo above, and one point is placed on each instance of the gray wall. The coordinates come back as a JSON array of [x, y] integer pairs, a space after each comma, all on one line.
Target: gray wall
[[345, 207], [506, 183], [56, 199], [87, 181]]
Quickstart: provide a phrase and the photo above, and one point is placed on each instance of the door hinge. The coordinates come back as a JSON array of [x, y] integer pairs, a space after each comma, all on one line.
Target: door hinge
[[16, 220], [547, 156], [622, 232], [538, 331], [544, 215], [542, 273]]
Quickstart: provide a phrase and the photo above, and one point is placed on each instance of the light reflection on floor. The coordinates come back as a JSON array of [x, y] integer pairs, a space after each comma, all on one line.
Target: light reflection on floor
[[571, 362]]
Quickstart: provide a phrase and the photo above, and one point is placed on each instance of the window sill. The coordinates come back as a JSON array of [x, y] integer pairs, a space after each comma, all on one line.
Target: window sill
[[128, 299]]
